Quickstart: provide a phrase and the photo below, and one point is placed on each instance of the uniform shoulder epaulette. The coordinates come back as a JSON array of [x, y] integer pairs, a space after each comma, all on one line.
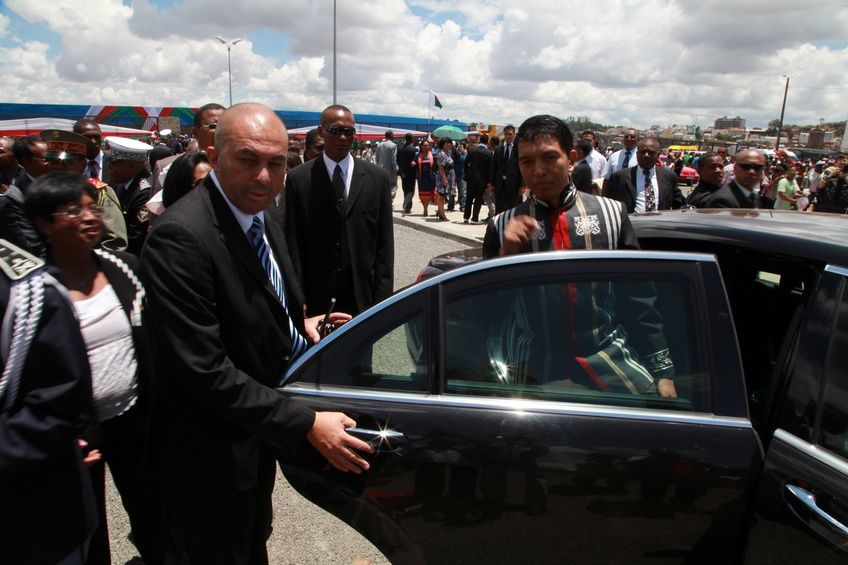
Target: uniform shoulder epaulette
[[16, 262], [97, 183]]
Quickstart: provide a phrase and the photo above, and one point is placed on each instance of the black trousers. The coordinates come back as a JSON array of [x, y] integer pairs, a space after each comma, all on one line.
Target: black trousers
[[228, 525], [408, 186], [473, 201], [121, 444]]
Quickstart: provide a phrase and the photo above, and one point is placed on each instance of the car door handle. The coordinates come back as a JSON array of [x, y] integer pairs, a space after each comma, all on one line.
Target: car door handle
[[808, 500], [383, 441]]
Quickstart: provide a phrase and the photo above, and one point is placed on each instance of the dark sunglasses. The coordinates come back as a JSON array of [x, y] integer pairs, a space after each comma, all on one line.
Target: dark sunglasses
[[629, 137], [340, 130], [751, 166]]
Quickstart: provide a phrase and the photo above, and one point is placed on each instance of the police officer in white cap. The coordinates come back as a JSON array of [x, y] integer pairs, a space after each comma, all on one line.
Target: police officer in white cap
[[128, 169]]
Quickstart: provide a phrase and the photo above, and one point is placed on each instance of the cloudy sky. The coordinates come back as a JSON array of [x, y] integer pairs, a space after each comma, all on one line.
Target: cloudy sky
[[621, 62]]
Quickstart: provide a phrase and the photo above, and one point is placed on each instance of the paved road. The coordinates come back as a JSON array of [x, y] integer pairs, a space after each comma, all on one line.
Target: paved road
[[304, 533]]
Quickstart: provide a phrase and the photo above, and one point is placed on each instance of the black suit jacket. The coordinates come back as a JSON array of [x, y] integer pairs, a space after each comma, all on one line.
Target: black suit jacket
[[581, 176], [622, 187], [504, 174], [221, 343], [730, 196], [405, 157], [312, 236], [477, 165], [48, 503]]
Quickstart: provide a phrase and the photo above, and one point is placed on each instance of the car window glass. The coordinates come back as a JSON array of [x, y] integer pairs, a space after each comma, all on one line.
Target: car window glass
[[834, 422], [386, 352], [588, 339]]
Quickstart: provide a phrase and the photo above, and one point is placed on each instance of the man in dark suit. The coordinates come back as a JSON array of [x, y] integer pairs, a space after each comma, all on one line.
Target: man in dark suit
[[628, 186], [581, 176], [339, 223], [739, 192], [226, 312], [405, 157], [29, 151], [476, 176], [504, 174], [710, 173]]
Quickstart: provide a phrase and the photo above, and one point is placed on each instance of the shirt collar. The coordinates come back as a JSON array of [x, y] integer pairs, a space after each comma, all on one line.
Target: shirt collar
[[244, 220], [331, 165]]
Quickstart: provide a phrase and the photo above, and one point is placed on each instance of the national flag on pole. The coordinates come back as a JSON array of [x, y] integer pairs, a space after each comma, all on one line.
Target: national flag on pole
[[434, 100]]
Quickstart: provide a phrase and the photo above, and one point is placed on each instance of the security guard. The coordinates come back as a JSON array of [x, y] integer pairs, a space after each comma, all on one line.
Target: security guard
[[45, 404], [128, 167], [66, 151]]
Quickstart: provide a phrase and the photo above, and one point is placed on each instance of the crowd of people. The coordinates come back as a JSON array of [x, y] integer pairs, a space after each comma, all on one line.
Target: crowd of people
[[153, 298]]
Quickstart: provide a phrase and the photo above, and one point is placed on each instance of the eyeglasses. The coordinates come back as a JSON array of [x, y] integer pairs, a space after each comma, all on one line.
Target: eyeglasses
[[751, 166], [210, 126], [629, 137], [76, 213], [340, 130]]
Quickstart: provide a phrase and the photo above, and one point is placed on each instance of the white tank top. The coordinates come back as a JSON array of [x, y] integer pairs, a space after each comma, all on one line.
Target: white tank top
[[111, 354]]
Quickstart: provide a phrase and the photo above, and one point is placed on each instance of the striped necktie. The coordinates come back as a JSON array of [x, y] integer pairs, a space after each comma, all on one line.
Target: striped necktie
[[256, 237]]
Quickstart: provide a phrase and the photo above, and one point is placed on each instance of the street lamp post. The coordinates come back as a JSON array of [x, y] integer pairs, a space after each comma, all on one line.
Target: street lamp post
[[229, 46], [334, 52]]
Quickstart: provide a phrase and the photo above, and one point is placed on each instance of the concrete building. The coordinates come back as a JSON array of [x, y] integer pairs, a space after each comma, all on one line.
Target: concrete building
[[729, 123]]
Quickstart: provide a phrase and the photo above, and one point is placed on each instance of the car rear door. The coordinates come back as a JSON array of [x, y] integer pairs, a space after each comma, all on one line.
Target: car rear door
[[515, 408], [801, 507]]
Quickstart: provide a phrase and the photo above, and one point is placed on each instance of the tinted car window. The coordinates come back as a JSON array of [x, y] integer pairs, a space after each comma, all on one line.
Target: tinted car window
[[834, 423], [385, 352], [604, 340]]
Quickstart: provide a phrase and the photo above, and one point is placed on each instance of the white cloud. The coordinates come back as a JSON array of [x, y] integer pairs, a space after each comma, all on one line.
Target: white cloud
[[619, 62]]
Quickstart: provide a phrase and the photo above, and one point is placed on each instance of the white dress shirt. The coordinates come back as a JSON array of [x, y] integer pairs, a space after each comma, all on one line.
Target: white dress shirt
[[616, 161], [347, 169], [597, 163], [99, 161], [246, 220], [640, 188]]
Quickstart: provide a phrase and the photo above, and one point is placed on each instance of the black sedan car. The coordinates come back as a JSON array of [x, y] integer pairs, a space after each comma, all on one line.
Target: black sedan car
[[514, 410]]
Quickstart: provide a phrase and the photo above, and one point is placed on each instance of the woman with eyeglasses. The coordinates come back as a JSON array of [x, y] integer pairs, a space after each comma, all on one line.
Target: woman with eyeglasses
[[184, 175], [109, 300]]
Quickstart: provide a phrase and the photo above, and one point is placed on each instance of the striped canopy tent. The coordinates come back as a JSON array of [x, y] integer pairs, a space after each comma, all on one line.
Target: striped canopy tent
[[364, 131], [144, 117], [34, 126]]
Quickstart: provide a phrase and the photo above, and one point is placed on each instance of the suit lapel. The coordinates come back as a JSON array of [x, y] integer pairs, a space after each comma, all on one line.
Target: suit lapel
[[356, 182], [632, 186], [235, 239]]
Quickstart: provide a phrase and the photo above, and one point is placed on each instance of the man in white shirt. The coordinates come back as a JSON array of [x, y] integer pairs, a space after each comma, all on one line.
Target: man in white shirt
[[596, 161], [623, 158]]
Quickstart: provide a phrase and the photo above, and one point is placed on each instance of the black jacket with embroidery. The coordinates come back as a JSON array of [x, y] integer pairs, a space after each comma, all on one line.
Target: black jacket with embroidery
[[619, 343]]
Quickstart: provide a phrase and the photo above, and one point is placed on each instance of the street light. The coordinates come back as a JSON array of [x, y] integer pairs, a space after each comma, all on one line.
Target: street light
[[334, 52], [229, 45]]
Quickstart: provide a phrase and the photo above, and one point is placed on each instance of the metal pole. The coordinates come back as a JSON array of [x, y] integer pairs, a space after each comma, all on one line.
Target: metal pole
[[782, 110], [230, 73], [334, 51], [229, 45]]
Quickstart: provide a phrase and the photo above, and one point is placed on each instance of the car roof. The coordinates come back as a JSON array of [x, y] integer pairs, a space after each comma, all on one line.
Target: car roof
[[811, 236]]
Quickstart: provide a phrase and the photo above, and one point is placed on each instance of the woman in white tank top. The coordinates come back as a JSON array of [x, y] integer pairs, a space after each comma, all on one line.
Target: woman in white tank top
[[108, 298]]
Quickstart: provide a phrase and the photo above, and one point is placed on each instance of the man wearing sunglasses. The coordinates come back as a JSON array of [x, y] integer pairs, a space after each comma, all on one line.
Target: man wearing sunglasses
[[624, 158], [339, 223], [740, 191]]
